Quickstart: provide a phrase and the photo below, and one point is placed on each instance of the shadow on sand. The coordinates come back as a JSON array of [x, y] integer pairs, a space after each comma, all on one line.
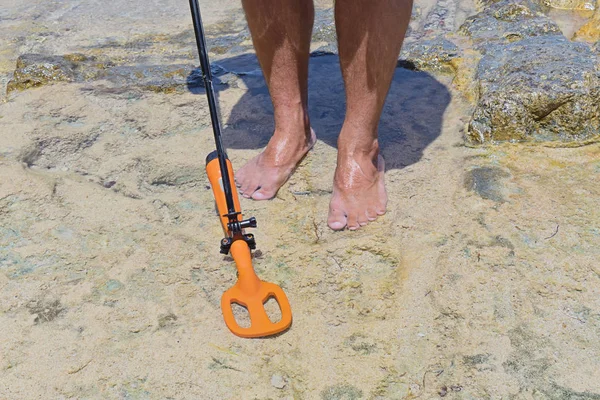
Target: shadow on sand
[[411, 119]]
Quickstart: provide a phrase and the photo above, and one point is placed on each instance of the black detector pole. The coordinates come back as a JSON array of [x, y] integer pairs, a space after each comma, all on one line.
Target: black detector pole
[[212, 105]]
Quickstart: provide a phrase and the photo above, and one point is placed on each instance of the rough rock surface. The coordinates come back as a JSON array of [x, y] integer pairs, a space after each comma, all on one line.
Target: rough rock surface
[[517, 96], [532, 83], [505, 22], [591, 30], [435, 55], [480, 282], [36, 70], [552, 96], [571, 4]]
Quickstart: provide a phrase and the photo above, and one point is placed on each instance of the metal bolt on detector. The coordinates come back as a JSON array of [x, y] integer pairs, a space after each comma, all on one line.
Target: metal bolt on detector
[[249, 291]]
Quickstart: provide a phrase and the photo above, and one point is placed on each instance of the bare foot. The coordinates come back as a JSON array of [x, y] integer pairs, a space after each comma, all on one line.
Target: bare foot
[[359, 194], [261, 177]]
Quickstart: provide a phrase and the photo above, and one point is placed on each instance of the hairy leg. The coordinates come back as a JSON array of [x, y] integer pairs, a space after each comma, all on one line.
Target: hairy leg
[[281, 32], [370, 35]]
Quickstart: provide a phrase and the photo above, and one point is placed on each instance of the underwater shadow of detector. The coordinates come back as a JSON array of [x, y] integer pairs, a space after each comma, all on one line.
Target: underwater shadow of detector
[[411, 119]]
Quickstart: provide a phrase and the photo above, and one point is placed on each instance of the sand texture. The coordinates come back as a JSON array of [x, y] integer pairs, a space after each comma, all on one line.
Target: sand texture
[[481, 282]]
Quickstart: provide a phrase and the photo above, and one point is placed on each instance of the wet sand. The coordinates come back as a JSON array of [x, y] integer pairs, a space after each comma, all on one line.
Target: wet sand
[[481, 281]]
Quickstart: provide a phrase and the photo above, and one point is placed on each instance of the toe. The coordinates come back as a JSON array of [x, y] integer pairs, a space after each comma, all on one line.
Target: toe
[[239, 178], [244, 189], [381, 204], [336, 219], [353, 221], [247, 191], [248, 188], [371, 214], [263, 194], [362, 219]]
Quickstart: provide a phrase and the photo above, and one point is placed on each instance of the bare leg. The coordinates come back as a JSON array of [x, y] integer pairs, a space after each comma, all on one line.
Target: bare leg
[[281, 32], [370, 35]]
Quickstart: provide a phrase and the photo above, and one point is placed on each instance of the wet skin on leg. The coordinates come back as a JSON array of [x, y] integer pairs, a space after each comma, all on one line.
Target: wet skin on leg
[[281, 32], [370, 35]]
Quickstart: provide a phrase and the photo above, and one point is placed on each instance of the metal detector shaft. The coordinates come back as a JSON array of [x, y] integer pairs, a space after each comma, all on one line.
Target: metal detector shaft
[[212, 104]]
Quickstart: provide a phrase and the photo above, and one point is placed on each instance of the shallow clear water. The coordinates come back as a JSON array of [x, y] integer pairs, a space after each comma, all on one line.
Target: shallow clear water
[[570, 21]]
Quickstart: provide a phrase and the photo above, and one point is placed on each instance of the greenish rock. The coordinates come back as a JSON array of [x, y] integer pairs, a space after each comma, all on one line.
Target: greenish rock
[[582, 5], [341, 392], [532, 84], [505, 22], [552, 96], [486, 182], [34, 70], [324, 32], [433, 55], [45, 310], [324, 28], [155, 78]]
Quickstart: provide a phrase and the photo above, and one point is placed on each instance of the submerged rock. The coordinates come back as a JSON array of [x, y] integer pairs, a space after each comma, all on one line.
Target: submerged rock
[[591, 30], [532, 84], [505, 22], [324, 28], [486, 182], [441, 18], [324, 32], [431, 55], [540, 88], [156, 78], [35, 70], [571, 4], [341, 392]]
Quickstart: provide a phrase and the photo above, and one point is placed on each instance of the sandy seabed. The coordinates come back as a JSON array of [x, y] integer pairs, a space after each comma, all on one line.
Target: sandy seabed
[[481, 282]]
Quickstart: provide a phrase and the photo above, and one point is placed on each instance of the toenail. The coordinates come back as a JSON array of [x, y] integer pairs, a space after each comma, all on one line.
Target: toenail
[[336, 226]]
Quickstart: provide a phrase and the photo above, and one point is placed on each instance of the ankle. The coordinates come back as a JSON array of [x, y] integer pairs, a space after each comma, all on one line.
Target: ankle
[[294, 125], [358, 148], [358, 139], [291, 115]]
